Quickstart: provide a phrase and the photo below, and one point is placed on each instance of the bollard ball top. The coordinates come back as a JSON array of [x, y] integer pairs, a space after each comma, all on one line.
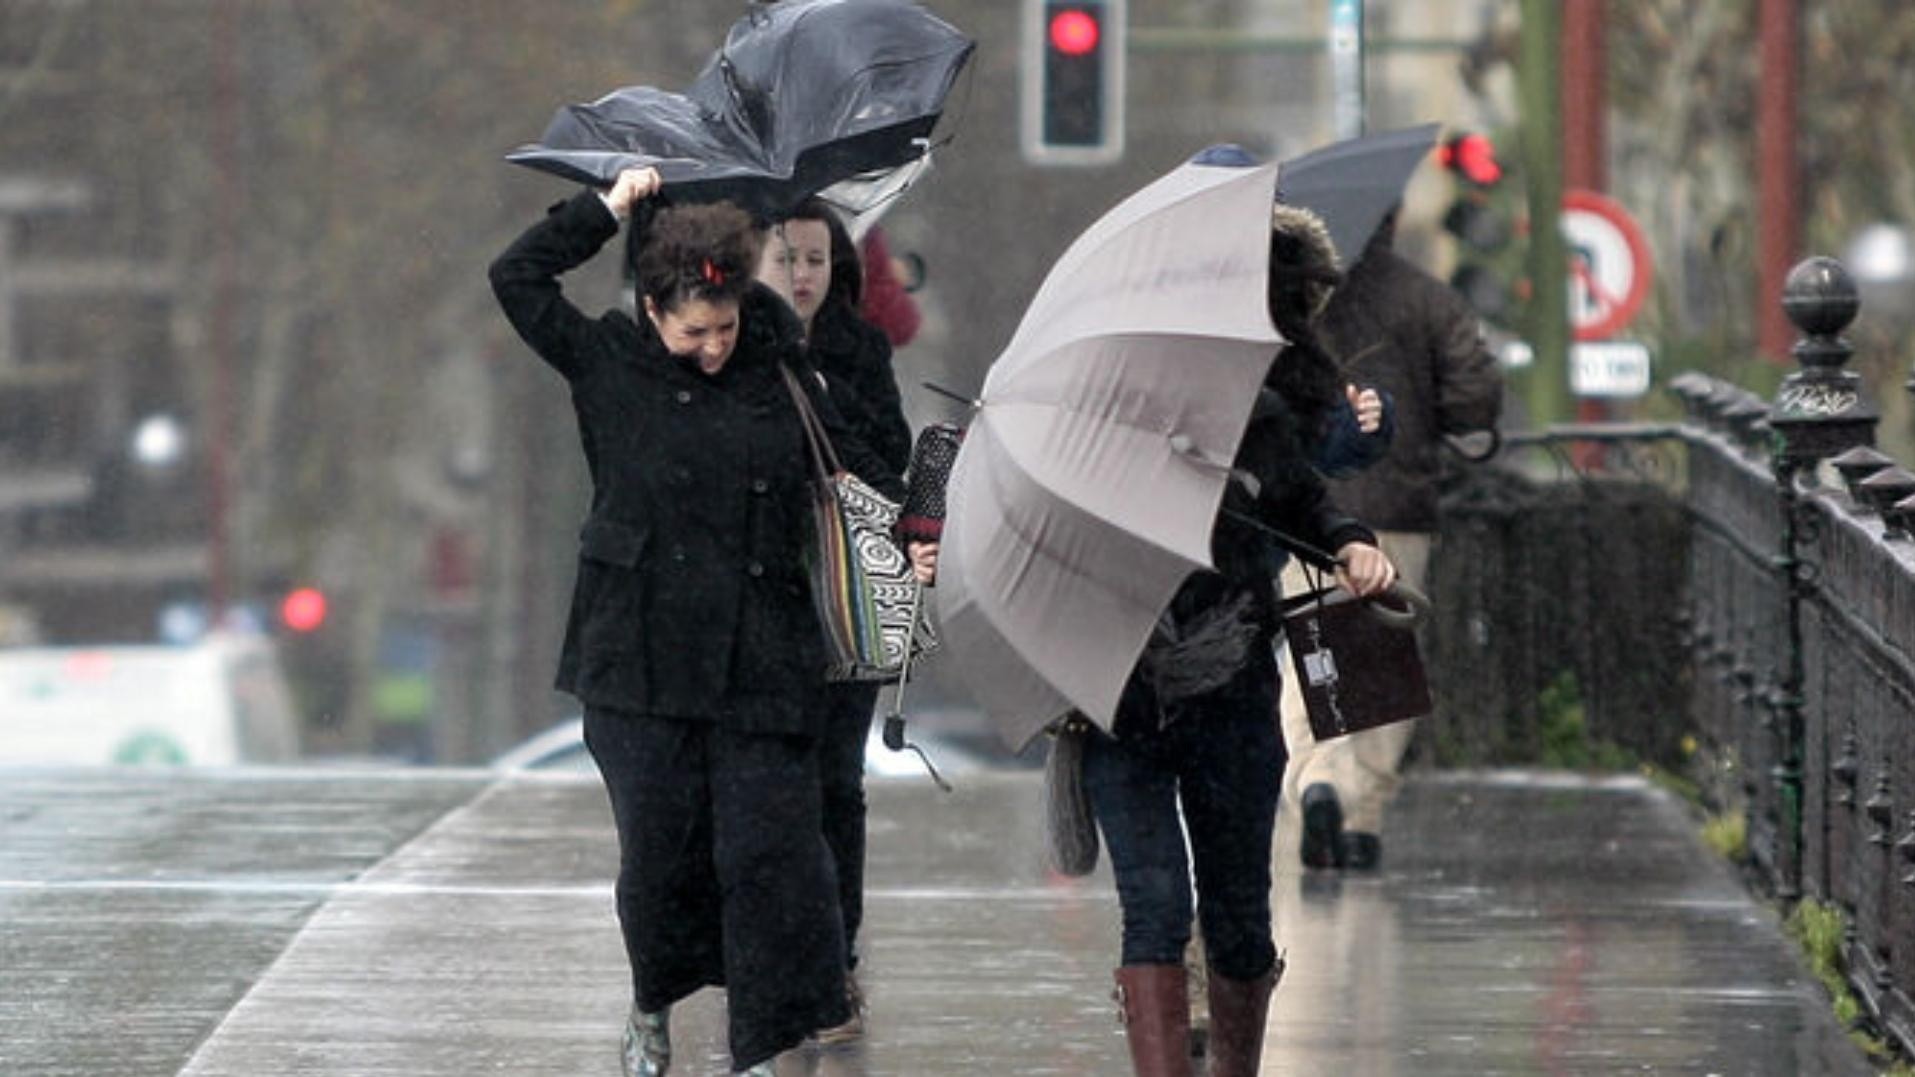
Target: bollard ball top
[[1820, 296]]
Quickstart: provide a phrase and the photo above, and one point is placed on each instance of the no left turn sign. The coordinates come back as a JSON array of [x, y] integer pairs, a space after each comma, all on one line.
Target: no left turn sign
[[1609, 267]]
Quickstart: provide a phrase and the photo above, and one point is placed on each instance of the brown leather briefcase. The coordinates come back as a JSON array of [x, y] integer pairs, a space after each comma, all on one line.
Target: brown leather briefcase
[[1356, 660]]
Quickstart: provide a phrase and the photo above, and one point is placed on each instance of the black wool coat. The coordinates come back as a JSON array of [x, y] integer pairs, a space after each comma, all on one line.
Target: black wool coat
[[855, 358], [692, 598], [1274, 486]]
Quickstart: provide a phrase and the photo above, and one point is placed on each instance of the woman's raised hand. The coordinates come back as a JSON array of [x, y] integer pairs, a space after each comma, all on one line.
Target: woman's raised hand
[[632, 186], [1363, 570]]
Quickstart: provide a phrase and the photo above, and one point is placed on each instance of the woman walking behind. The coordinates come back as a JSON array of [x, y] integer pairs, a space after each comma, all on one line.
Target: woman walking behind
[[810, 260], [692, 642]]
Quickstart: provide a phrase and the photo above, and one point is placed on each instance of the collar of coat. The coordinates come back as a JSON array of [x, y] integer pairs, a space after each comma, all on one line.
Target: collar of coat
[[769, 333], [839, 337]]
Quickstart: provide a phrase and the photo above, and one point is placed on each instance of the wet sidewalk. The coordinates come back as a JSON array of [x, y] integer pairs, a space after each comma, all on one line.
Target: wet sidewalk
[[449, 923]]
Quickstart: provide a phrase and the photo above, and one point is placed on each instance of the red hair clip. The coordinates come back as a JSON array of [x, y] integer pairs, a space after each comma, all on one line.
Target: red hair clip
[[711, 272]]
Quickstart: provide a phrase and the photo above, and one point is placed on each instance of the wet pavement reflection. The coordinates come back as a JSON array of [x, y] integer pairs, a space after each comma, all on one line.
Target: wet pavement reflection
[[451, 923]]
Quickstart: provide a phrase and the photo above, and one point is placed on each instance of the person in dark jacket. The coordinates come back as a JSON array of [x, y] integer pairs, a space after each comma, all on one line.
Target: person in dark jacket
[[692, 640], [809, 259], [1403, 330]]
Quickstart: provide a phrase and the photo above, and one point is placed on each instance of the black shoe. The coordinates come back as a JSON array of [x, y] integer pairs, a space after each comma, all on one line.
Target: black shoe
[[1322, 846], [1360, 850]]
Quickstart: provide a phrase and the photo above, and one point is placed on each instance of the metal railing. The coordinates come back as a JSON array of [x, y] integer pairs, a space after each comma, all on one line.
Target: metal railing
[[1747, 616]]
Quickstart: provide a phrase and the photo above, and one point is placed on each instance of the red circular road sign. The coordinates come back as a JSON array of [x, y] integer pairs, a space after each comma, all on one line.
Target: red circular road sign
[[1609, 265]]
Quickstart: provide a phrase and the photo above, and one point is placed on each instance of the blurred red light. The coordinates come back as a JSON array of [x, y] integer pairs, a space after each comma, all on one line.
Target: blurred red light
[[1474, 156], [1074, 32], [303, 609]]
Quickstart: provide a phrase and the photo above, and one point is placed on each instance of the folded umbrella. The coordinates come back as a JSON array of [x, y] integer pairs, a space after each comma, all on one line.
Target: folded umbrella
[[804, 96], [1091, 474]]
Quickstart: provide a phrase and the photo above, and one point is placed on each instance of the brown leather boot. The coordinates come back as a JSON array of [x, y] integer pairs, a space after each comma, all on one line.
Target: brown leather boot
[[1238, 1010], [1154, 1005]]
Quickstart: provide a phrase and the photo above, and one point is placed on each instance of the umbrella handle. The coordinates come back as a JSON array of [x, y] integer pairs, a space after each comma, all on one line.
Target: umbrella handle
[[1412, 606], [904, 667], [894, 722]]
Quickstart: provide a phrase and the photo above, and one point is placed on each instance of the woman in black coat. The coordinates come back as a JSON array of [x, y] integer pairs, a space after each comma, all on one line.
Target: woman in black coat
[[810, 260], [692, 640]]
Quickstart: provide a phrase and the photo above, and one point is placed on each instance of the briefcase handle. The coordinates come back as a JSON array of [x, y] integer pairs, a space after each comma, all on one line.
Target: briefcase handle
[[1400, 605]]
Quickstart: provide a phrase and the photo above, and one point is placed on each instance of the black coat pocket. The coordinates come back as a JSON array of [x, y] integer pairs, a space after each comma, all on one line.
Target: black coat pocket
[[612, 588]]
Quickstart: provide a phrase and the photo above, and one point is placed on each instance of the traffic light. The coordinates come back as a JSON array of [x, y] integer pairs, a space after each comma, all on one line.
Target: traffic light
[[1473, 157], [303, 609], [1480, 222], [1073, 81]]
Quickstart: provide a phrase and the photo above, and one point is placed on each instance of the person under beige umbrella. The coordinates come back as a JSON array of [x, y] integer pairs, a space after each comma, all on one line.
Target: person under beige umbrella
[[1105, 553]]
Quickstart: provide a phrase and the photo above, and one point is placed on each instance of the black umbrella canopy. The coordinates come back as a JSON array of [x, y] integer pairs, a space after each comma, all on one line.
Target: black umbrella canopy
[[803, 95], [1353, 183]]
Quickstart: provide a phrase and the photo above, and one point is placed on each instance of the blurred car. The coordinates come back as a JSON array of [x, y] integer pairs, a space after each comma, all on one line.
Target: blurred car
[[217, 702], [561, 749]]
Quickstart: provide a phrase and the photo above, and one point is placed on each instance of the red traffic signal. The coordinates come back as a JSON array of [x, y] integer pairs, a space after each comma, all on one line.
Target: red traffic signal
[[303, 609], [1073, 81], [1074, 31], [1472, 156]]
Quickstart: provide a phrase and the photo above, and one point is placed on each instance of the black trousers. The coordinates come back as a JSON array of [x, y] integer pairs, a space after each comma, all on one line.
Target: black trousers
[[847, 725], [724, 878]]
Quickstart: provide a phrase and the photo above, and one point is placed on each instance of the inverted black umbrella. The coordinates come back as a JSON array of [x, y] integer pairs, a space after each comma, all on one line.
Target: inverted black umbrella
[[805, 95], [1351, 184]]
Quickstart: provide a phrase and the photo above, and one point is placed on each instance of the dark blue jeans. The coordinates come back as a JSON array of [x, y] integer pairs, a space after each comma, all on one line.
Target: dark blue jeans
[[1220, 760]]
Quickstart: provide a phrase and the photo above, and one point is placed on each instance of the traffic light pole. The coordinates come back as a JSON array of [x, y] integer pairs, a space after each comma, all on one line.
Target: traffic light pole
[[1585, 109], [1347, 66], [1546, 321]]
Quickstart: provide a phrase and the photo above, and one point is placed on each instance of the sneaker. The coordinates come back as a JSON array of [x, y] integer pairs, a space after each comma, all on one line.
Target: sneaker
[[648, 1043], [1322, 827], [853, 1028], [1360, 850]]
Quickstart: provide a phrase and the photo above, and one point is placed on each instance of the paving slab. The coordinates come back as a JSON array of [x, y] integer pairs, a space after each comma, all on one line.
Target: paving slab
[[426, 923]]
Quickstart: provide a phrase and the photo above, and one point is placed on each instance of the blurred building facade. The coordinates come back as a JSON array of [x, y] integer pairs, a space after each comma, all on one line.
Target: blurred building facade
[[276, 243]]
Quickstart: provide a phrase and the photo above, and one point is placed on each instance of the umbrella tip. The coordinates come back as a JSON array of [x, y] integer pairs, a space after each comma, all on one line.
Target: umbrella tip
[[973, 402]]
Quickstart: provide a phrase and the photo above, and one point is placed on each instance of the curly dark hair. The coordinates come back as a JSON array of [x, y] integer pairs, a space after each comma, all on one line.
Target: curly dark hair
[[707, 251]]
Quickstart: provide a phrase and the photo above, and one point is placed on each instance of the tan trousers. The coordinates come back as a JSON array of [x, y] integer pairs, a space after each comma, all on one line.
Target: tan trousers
[[1362, 767]]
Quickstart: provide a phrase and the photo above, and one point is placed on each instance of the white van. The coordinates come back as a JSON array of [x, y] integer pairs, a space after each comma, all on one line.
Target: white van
[[218, 702]]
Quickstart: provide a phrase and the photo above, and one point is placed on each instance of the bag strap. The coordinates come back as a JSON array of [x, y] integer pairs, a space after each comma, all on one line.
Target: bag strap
[[1313, 597], [823, 457], [1402, 606]]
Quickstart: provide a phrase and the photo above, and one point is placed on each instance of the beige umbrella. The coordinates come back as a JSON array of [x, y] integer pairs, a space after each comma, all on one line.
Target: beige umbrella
[[1091, 475]]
